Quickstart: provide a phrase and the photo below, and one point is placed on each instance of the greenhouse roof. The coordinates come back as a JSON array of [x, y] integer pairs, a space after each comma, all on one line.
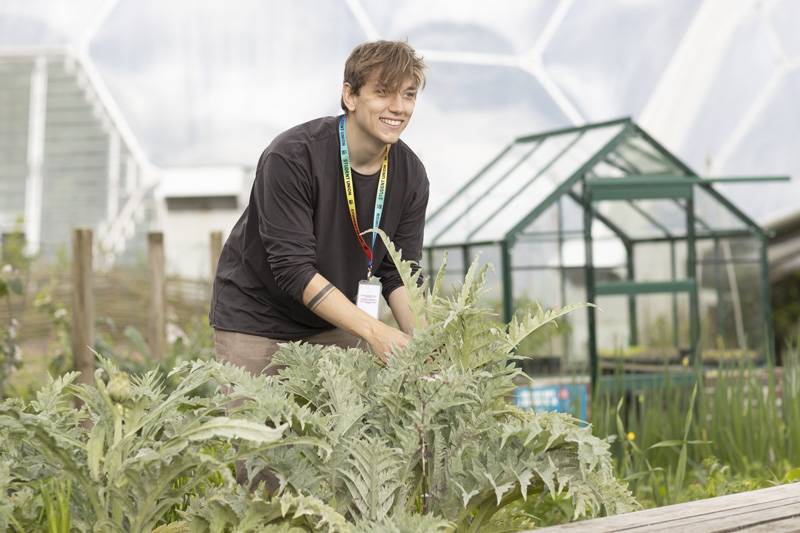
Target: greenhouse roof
[[645, 185]]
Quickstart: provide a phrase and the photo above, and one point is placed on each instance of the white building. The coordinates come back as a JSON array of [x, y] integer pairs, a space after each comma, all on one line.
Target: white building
[[68, 157], [199, 201]]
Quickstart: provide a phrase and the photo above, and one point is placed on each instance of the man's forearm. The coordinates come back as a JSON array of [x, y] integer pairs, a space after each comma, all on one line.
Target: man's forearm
[[331, 304], [401, 310]]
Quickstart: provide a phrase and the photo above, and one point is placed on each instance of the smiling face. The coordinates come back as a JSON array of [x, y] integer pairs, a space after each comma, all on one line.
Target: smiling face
[[378, 113]]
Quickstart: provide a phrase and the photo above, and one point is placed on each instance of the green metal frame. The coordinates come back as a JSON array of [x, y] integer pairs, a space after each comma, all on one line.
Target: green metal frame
[[632, 188]]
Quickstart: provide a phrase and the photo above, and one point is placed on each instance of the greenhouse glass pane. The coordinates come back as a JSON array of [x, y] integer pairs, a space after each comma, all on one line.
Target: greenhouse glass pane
[[655, 316], [567, 210], [668, 214], [454, 211], [608, 253], [607, 169], [513, 183], [561, 165], [741, 312], [645, 219], [613, 331], [634, 219], [572, 214], [454, 271], [644, 158], [741, 249], [536, 252], [711, 213], [545, 224], [537, 286], [653, 261], [575, 324]]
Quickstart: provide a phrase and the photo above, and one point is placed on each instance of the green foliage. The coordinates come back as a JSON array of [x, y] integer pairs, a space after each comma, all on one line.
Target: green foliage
[[542, 342], [740, 431], [10, 352], [55, 496], [60, 350], [196, 344], [14, 251], [427, 442], [715, 479], [786, 309], [432, 432], [131, 454], [219, 510]]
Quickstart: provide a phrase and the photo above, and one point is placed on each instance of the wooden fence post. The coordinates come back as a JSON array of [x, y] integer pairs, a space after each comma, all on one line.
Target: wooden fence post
[[158, 297], [216, 251], [82, 305]]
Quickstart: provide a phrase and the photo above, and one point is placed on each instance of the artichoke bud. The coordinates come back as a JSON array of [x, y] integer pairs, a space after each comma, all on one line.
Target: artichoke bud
[[119, 387]]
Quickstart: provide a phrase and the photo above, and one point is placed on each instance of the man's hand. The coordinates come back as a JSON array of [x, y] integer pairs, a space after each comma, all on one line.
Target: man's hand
[[383, 338]]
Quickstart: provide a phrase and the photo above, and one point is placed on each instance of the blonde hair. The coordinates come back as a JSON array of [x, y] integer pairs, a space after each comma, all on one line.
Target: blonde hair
[[395, 62]]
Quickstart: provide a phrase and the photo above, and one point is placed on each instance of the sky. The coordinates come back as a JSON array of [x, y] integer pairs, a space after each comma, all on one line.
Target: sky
[[212, 82]]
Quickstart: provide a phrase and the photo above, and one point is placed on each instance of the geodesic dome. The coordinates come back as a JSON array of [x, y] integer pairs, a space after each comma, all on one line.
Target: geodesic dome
[[212, 83]]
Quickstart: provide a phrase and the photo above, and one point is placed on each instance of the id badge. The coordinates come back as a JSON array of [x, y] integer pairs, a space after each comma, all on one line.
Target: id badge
[[369, 297]]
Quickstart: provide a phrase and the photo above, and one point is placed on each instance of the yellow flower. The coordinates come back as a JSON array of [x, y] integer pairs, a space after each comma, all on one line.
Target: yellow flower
[[685, 360], [631, 436]]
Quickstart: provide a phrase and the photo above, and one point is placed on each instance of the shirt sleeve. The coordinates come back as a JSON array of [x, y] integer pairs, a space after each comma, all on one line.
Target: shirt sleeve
[[283, 194], [408, 238]]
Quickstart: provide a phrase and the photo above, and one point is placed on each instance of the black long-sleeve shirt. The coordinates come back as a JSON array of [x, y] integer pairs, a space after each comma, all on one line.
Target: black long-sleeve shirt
[[297, 224]]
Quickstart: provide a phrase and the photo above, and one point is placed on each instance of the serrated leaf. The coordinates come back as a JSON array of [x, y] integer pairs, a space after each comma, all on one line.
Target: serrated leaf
[[179, 526], [227, 428], [410, 277], [518, 329], [466, 496], [95, 447], [371, 476]]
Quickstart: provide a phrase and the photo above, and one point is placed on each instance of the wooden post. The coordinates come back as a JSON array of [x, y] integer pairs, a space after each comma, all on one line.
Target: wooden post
[[158, 297], [82, 305], [216, 251]]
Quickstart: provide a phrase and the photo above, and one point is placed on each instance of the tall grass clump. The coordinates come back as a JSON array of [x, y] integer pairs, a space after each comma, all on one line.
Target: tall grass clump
[[679, 436]]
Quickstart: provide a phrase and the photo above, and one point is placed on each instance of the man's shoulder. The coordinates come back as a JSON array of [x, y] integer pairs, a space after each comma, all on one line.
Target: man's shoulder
[[314, 131], [299, 142]]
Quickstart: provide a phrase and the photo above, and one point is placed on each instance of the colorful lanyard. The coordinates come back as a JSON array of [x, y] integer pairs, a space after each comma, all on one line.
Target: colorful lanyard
[[351, 201]]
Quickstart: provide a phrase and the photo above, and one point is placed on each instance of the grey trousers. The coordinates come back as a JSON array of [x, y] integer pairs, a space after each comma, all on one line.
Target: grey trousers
[[254, 353]]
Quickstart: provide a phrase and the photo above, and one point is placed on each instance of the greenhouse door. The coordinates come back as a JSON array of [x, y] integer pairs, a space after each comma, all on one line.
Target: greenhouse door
[[633, 189]]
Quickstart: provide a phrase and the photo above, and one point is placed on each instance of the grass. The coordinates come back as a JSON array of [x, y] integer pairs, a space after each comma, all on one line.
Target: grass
[[736, 427], [680, 436]]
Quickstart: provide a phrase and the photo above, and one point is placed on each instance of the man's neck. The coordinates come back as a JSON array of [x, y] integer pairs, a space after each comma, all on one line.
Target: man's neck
[[365, 157]]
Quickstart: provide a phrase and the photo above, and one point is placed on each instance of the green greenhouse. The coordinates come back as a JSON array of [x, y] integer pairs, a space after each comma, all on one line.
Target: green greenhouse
[[604, 214]]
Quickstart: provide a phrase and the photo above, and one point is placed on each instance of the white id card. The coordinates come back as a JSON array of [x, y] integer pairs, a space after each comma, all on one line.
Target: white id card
[[369, 297]]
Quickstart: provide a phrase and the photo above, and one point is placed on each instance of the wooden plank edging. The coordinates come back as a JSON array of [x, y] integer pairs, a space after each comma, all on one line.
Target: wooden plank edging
[[771, 509]]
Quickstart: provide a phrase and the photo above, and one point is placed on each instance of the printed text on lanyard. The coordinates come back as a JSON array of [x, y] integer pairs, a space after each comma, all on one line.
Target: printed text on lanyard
[[351, 202]]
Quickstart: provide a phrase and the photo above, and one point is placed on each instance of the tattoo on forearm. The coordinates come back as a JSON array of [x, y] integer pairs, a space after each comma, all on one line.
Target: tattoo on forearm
[[321, 295]]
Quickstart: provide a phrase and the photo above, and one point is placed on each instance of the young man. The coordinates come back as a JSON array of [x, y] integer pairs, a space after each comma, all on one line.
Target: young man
[[291, 267]]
